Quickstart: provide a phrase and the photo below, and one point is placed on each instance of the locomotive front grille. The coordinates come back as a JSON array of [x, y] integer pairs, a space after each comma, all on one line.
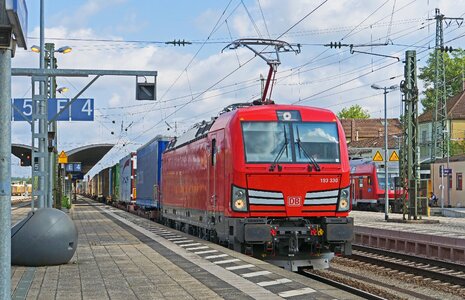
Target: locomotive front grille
[[266, 201], [321, 201]]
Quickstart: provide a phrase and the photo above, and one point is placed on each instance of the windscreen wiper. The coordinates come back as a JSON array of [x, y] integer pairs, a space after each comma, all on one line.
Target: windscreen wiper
[[310, 157], [280, 153]]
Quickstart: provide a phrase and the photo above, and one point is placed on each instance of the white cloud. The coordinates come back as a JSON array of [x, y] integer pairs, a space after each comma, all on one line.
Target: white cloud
[[316, 75]]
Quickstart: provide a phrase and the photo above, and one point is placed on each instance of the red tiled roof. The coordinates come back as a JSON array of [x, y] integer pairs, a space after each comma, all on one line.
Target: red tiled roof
[[394, 142], [369, 128], [455, 109]]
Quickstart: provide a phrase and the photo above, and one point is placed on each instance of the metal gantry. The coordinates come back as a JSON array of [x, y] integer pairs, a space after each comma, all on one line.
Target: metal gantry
[[440, 133], [40, 119], [409, 158]]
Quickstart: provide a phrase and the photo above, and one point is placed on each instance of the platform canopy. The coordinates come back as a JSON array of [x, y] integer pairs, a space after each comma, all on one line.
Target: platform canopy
[[88, 155]]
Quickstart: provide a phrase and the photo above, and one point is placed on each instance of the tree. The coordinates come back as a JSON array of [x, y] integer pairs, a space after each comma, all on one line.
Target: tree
[[353, 112], [454, 65]]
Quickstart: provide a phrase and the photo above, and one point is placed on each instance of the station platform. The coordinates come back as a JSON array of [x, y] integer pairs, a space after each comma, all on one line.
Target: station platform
[[441, 226], [436, 237], [123, 256]]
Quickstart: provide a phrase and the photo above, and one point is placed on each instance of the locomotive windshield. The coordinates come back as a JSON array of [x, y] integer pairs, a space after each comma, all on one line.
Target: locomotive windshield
[[298, 142]]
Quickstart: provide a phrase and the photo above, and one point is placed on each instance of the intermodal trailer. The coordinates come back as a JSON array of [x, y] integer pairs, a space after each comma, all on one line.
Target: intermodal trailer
[[105, 185], [148, 180], [127, 178], [114, 183]]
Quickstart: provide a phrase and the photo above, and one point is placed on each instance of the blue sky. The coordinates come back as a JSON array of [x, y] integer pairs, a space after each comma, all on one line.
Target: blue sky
[[195, 82]]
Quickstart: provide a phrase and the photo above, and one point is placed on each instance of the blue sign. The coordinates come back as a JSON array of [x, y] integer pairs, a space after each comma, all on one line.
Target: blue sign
[[73, 167], [80, 110], [17, 14], [69, 168], [77, 167]]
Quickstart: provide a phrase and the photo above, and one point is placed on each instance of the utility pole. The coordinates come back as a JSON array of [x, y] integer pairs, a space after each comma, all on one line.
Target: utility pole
[[440, 129], [50, 61], [5, 163], [409, 163], [39, 125]]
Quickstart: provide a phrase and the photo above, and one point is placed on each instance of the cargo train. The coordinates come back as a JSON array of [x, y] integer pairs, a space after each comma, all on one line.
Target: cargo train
[[271, 181]]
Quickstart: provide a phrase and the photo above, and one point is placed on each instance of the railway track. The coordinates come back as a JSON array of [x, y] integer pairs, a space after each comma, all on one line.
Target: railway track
[[340, 285], [447, 272], [376, 271], [21, 204]]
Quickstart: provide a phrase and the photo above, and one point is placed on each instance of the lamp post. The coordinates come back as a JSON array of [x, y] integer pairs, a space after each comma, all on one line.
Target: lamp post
[[52, 166], [386, 187]]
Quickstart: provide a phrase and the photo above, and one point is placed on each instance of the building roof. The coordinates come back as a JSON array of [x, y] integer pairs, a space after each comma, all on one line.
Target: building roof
[[394, 142], [455, 109], [358, 129], [88, 155], [460, 157]]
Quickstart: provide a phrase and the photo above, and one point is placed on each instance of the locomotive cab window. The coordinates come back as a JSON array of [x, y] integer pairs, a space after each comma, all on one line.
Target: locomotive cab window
[[266, 142], [291, 142], [320, 141]]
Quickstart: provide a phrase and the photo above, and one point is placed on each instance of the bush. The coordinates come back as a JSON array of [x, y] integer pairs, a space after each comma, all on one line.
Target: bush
[[65, 202]]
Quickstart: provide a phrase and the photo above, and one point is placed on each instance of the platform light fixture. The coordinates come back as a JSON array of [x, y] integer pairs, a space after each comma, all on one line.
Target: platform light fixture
[[386, 183], [62, 90], [64, 49]]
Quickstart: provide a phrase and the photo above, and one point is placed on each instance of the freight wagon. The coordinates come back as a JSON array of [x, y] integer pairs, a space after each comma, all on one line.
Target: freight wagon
[[149, 173]]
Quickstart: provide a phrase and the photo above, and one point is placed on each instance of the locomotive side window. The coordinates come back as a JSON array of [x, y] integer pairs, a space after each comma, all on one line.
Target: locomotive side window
[[213, 152], [369, 180]]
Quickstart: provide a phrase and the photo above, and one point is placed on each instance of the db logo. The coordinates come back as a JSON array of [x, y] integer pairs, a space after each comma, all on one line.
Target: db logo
[[294, 201]]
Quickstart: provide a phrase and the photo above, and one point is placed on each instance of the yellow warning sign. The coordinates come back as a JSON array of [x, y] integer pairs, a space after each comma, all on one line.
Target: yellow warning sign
[[394, 156], [62, 158], [378, 157]]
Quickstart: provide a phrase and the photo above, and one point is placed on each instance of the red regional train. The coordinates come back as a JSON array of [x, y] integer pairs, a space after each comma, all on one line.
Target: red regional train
[[367, 185], [270, 181]]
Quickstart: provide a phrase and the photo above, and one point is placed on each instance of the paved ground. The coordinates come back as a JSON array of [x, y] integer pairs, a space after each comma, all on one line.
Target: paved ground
[[95, 272], [450, 227], [122, 256]]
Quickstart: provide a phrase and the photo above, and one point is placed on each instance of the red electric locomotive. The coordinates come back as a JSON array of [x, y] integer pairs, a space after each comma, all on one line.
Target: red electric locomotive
[[367, 185], [270, 181]]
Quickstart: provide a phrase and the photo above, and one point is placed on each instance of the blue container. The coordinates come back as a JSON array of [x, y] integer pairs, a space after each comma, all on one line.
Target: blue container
[[149, 172]]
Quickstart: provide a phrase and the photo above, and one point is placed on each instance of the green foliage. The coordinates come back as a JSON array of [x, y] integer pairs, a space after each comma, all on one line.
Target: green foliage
[[65, 202], [454, 67], [28, 180], [457, 147], [353, 112]]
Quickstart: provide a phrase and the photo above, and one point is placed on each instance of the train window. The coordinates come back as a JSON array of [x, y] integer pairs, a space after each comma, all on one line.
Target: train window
[[369, 180], [319, 140], [267, 142], [360, 182], [213, 152], [459, 181]]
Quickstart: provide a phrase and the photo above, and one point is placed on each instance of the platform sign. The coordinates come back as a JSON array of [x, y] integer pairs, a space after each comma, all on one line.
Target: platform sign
[[17, 15], [55, 105], [69, 168], [74, 167], [80, 110], [378, 156]]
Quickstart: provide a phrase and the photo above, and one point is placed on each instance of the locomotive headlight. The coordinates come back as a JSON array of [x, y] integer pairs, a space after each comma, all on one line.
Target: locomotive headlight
[[238, 199], [344, 200]]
